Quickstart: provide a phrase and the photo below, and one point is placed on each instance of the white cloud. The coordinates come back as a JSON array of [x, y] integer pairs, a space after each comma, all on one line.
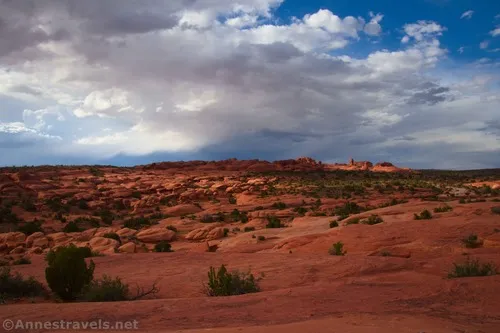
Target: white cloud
[[461, 49], [467, 15], [495, 32], [422, 30], [373, 28], [484, 44]]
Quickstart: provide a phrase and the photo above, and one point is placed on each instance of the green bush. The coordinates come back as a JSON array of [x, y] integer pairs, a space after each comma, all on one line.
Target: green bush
[[373, 219], [424, 215], [106, 290], [247, 229], [163, 246], [136, 194], [22, 261], [232, 200], [462, 201], [347, 209], [273, 222], [15, 286], [71, 227], [261, 238], [472, 268], [226, 232], [300, 210], [106, 216], [223, 283], [113, 235], [137, 222], [337, 249], [334, 224], [495, 210], [82, 204], [443, 209], [67, 273], [30, 228], [472, 242], [279, 205]]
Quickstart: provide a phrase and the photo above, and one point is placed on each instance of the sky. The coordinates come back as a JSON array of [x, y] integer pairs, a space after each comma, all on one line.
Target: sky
[[416, 83]]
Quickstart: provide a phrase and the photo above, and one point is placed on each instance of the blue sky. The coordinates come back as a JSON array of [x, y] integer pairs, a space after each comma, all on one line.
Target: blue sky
[[415, 83]]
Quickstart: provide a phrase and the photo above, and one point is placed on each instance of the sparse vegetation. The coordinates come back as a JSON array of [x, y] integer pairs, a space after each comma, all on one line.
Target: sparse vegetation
[[373, 219], [337, 249], [163, 246], [232, 200], [443, 209], [495, 210], [472, 268], [334, 224], [424, 215], [261, 238], [15, 286], [279, 205], [354, 220], [223, 283], [30, 228], [273, 222], [247, 229], [106, 290], [22, 261], [72, 227], [472, 241], [137, 222], [113, 235]]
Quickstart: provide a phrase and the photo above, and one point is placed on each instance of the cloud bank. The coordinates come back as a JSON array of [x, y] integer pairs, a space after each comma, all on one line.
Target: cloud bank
[[86, 81]]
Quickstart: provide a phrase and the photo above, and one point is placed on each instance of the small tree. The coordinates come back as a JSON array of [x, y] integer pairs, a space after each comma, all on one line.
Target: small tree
[[424, 215], [337, 249], [67, 273]]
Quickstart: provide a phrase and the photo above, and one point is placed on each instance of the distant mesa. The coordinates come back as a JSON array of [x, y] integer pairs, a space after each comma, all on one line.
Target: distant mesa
[[299, 164]]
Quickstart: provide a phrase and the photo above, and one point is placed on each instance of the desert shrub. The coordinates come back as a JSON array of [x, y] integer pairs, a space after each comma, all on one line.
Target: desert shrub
[[261, 238], [226, 232], [113, 235], [236, 216], [279, 205], [472, 268], [136, 195], [259, 208], [15, 286], [347, 209], [223, 283], [273, 222], [232, 200], [30, 228], [300, 210], [96, 172], [28, 205], [247, 229], [82, 204], [424, 215], [443, 209], [171, 227], [472, 241], [163, 246], [72, 227], [207, 218], [373, 219], [22, 261], [495, 210], [106, 290], [334, 224], [385, 254], [106, 216], [354, 220], [7, 216], [137, 222], [67, 273], [337, 249], [462, 201]]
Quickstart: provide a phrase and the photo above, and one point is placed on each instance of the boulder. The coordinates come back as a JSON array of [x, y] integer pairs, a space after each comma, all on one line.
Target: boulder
[[18, 250], [154, 235], [209, 232], [31, 238], [184, 209], [127, 248], [126, 232], [12, 237], [103, 245]]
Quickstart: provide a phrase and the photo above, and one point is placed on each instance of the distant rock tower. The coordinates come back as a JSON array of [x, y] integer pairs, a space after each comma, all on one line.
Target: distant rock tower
[[351, 161]]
